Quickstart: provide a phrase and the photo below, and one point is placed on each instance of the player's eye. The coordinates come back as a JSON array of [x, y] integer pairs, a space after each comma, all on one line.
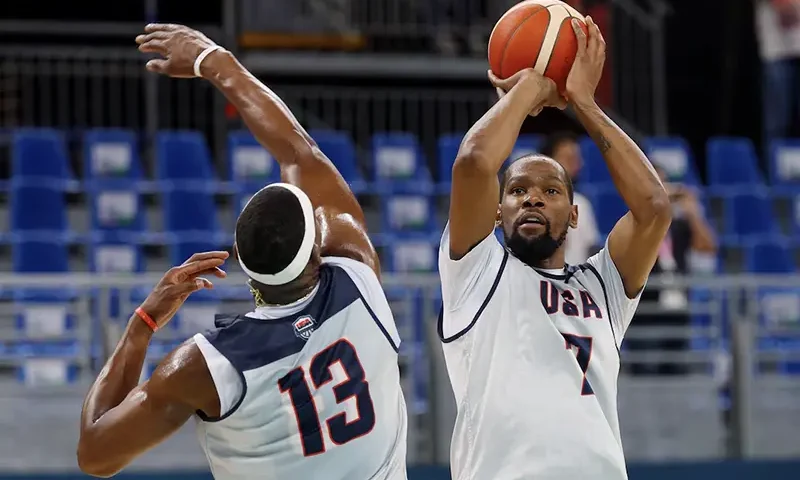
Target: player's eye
[[518, 191], [551, 191]]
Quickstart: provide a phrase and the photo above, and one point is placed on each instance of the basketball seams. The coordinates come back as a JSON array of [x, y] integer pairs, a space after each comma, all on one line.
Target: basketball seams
[[516, 30], [550, 38]]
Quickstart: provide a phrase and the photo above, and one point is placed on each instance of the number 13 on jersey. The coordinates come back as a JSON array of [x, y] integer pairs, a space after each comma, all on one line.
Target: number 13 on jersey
[[340, 429]]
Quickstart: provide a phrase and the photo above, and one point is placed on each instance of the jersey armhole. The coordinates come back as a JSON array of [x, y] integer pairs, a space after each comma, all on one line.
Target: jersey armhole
[[457, 335], [228, 380], [372, 295]]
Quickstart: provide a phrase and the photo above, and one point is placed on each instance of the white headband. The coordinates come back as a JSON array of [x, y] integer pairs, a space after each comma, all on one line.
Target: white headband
[[298, 264]]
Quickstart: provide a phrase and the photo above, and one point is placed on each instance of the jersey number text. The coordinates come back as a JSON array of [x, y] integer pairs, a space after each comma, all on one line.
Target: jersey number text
[[584, 355], [340, 430]]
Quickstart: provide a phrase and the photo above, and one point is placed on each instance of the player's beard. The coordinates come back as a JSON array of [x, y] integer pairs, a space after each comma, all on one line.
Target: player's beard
[[533, 251]]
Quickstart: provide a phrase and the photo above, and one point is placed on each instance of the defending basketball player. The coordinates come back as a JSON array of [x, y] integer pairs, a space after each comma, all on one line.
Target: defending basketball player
[[306, 385], [532, 344]]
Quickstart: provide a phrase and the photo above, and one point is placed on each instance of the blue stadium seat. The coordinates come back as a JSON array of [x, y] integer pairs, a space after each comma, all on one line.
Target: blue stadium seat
[[784, 166], [447, 150], [183, 160], [45, 363], [408, 213], [38, 210], [768, 255], [526, 145], [410, 252], [595, 173], [187, 211], [117, 214], [248, 162], [609, 207], [674, 156], [40, 156], [748, 214], [339, 148], [111, 157], [732, 163], [399, 165]]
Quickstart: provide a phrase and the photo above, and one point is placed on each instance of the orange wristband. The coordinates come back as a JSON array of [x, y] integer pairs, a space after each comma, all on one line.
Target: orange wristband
[[147, 319]]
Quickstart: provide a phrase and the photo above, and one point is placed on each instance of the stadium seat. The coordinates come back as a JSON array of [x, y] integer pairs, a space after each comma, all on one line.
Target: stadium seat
[[409, 253], [188, 211], [595, 173], [609, 207], [784, 166], [748, 214], [183, 160], [399, 165], [768, 255], [40, 156], [408, 213], [339, 148], [526, 145], [675, 157], [447, 150], [248, 162], [38, 211], [117, 214], [732, 163], [111, 157]]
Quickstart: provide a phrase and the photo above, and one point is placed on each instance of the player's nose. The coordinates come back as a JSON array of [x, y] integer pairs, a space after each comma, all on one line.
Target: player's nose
[[533, 201]]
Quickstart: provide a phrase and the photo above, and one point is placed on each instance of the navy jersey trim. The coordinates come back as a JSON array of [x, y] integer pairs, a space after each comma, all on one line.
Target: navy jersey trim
[[605, 296], [250, 343], [389, 338], [202, 415], [440, 326]]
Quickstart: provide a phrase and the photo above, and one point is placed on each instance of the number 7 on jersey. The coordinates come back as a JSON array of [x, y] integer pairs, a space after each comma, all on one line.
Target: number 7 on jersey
[[340, 429]]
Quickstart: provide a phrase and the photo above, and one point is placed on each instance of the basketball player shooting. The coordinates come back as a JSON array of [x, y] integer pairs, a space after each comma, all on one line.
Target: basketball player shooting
[[532, 344], [318, 350]]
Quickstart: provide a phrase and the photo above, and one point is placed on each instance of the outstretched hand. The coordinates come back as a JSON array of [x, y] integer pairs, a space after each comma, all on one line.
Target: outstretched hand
[[588, 66], [529, 78], [177, 44], [179, 282]]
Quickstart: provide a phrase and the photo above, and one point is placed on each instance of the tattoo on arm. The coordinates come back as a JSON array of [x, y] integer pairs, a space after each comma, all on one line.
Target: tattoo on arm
[[603, 144]]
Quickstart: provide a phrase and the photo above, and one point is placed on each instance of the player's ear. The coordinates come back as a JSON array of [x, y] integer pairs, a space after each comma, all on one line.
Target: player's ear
[[498, 219], [573, 216]]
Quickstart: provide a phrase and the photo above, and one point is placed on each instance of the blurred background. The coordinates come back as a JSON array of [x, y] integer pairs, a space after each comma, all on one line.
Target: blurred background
[[109, 175]]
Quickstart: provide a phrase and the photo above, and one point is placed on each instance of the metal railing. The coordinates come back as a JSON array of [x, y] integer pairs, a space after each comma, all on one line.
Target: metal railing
[[731, 391]]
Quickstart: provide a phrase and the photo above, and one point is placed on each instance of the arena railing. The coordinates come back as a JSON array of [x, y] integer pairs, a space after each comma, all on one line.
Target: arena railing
[[734, 395]]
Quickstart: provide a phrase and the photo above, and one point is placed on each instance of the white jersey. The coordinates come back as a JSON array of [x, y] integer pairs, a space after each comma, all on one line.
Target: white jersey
[[309, 390], [533, 359]]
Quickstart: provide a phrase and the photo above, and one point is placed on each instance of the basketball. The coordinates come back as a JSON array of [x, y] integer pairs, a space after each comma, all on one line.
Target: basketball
[[537, 34]]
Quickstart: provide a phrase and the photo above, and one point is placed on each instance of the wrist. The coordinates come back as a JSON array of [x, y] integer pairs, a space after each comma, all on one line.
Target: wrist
[[584, 103], [215, 64], [139, 331]]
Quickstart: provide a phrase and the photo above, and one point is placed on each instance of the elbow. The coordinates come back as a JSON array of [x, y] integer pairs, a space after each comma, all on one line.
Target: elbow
[[91, 464], [470, 162], [660, 209]]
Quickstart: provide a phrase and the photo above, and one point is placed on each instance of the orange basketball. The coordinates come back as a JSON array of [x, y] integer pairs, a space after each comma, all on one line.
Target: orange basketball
[[535, 34]]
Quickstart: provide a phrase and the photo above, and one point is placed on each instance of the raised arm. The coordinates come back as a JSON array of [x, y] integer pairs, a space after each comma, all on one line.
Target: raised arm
[[634, 241], [301, 162], [475, 191], [120, 421]]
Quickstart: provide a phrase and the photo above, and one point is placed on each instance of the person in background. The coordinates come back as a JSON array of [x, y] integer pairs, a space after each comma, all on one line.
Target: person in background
[[778, 32], [581, 242], [690, 240]]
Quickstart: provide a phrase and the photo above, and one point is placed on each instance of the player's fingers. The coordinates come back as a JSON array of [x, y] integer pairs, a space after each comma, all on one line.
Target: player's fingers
[[500, 92], [195, 268], [153, 46], [496, 82], [206, 255], [144, 38], [216, 271], [156, 27], [192, 286], [158, 65], [580, 35]]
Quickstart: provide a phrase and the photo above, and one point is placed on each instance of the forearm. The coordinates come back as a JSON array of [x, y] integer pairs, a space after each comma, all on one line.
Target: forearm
[[264, 113], [491, 140], [119, 376], [634, 176]]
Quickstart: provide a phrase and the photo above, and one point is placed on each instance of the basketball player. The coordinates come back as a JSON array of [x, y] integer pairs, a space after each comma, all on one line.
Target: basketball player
[[305, 386], [532, 344]]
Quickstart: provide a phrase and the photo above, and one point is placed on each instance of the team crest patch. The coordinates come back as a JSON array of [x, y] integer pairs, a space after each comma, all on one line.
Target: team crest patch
[[304, 327]]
